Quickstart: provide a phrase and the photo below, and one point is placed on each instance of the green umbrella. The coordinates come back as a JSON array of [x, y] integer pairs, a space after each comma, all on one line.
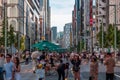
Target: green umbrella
[[46, 45]]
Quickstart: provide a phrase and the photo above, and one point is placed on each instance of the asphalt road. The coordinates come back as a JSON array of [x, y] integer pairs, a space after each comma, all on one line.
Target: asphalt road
[[27, 74]]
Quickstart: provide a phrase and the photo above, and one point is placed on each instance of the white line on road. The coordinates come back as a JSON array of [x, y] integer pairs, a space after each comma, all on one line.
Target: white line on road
[[117, 75]]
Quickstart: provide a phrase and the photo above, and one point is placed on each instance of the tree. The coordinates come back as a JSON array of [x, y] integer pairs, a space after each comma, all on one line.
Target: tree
[[108, 36], [80, 45], [2, 37], [11, 36], [118, 38], [99, 36]]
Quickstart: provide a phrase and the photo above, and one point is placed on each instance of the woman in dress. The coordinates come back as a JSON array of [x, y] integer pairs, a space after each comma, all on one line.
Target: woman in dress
[[17, 68]]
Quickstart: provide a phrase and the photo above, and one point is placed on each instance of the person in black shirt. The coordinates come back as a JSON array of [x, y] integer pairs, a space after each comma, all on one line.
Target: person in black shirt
[[42, 57], [61, 70]]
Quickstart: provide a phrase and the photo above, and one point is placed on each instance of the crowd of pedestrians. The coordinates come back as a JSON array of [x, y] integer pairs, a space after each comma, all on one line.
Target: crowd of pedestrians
[[9, 67], [62, 63], [45, 63]]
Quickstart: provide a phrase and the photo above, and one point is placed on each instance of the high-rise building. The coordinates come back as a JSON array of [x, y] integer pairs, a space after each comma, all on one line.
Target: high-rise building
[[67, 38], [32, 21], [112, 12], [60, 38], [102, 13], [46, 8], [76, 21], [54, 34]]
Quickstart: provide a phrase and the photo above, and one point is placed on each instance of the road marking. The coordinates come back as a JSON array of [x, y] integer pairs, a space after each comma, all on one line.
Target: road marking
[[117, 75]]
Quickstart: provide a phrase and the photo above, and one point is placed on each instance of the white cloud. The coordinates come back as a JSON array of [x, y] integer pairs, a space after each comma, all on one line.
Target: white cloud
[[61, 12], [60, 21]]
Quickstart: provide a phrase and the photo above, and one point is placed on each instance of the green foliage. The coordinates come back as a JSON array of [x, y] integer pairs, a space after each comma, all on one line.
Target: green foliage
[[16, 40], [80, 46], [2, 37], [118, 39], [11, 36], [99, 36], [109, 37]]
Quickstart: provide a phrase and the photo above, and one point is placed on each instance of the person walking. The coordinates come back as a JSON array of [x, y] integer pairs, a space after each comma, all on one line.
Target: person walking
[[9, 68], [110, 64], [27, 55], [93, 69], [2, 61], [40, 72], [76, 66], [61, 70], [17, 68]]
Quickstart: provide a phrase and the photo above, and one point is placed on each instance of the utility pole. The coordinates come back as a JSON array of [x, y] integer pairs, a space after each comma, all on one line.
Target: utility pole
[[115, 40], [102, 35]]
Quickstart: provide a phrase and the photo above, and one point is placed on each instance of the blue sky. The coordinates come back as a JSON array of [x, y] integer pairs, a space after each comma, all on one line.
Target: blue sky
[[61, 12]]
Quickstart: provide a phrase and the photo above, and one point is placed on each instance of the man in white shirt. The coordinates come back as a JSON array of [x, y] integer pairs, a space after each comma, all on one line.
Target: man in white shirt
[[9, 68]]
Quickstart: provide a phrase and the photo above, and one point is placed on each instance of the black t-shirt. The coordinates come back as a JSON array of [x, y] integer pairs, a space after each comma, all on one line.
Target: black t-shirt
[[61, 67]]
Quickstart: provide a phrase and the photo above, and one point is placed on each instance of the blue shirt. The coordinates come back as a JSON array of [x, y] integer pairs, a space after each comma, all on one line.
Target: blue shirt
[[9, 68]]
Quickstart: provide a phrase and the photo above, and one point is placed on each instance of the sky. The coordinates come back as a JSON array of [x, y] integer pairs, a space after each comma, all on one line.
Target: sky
[[61, 13]]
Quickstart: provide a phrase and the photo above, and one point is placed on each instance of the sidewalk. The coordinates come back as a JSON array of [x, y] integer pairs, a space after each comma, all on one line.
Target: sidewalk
[[118, 64]]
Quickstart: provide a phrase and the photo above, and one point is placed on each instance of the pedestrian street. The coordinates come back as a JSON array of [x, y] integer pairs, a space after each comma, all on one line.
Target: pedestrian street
[[27, 73]]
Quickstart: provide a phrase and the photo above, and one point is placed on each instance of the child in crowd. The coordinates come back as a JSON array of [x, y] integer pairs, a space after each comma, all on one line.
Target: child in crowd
[[40, 72]]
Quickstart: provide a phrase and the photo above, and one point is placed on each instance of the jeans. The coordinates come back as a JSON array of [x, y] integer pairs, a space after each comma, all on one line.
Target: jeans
[[1, 74]]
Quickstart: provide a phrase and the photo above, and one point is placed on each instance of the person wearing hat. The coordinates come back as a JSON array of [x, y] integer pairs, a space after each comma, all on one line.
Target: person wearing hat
[[110, 64]]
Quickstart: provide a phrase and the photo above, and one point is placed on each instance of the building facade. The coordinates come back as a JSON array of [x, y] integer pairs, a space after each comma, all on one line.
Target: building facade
[[102, 14], [67, 38], [112, 12], [76, 21], [54, 34], [47, 10], [32, 21]]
